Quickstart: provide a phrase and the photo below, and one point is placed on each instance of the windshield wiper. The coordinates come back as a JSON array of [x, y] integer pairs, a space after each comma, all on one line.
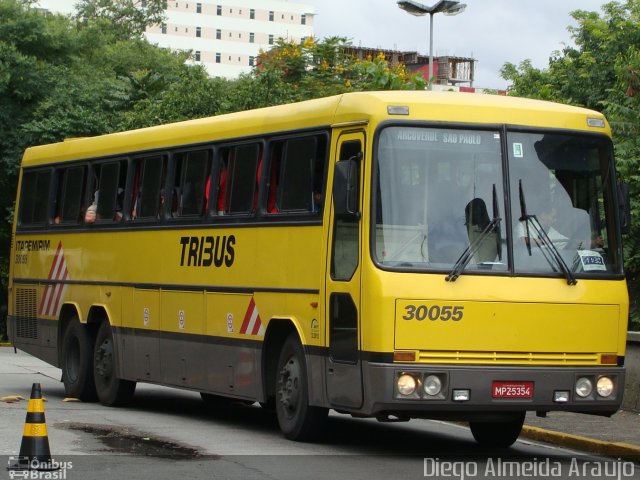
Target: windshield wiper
[[472, 248], [542, 240]]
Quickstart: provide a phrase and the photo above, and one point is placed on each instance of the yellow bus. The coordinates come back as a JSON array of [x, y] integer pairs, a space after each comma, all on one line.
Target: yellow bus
[[393, 255]]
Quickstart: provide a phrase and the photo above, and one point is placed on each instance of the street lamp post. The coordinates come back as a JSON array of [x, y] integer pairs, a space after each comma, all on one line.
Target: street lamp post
[[448, 7]]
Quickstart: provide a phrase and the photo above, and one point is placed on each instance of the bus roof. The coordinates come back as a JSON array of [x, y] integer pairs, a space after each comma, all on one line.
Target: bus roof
[[370, 107]]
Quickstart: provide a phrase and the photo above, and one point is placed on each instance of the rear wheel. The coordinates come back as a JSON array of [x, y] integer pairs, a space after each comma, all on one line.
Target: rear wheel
[[77, 361], [112, 391], [298, 420], [498, 434]]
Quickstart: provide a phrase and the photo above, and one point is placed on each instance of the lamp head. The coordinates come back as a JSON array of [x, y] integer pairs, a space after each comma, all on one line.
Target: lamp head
[[414, 8], [448, 7], [456, 9]]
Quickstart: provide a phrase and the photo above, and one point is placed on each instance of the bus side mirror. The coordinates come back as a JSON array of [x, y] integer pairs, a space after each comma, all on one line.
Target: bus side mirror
[[625, 207], [345, 189]]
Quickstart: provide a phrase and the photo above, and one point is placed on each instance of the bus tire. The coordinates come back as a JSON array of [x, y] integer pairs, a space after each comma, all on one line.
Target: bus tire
[[77, 361], [297, 419], [112, 391], [498, 434]]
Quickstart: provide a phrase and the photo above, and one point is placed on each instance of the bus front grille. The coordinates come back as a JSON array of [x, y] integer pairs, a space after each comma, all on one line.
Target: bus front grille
[[26, 313], [508, 358]]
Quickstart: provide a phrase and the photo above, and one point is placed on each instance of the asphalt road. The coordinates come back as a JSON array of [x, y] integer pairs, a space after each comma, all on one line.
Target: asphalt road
[[168, 433]]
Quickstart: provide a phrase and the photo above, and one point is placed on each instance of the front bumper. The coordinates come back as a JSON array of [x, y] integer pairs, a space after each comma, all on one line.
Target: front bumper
[[383, 398]]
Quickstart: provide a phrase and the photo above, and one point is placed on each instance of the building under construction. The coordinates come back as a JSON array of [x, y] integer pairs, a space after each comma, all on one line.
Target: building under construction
[[447, 70]]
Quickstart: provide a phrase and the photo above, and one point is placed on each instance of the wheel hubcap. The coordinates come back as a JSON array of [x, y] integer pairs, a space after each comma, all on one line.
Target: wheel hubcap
[[289, 384]]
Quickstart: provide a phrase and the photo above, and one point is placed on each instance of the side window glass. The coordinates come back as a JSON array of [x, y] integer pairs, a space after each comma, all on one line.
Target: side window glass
[[297, 175], [242, 179], [35, 198], [344, 257], [106, 201], [296, 179], [191, 183], [148, 195], [221, 189], [277, 149], [70, 193]]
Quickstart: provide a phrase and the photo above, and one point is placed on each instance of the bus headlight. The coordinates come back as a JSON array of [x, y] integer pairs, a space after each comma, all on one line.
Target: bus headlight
[[406, 384], [432, 385], [584, 387], [604, 386]]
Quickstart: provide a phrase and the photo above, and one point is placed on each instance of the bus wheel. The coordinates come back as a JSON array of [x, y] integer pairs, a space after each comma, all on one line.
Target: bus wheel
[[77, 362], [498, 434], [298, 420], [112, 391]]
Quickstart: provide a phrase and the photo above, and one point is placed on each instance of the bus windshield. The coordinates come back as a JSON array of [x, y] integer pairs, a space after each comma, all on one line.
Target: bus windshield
[[441, 205]]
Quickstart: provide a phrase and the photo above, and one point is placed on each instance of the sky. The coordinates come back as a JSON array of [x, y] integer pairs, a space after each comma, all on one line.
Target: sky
[[491, 31]]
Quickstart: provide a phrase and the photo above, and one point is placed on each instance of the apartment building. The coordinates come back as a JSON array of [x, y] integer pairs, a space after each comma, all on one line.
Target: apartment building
[[226, 36]]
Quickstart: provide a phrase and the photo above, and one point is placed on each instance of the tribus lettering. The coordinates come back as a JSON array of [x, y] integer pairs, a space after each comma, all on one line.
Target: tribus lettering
[[207, 251]]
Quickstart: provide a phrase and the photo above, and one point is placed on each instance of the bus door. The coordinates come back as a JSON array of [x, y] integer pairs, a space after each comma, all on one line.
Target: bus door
[[342, 294]]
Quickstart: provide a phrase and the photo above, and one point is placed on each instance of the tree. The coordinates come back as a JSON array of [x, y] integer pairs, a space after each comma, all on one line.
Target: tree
[[293, 71], [32, 48], [189, 94], [623, 109], [602, 72], [128, 18], [63, 77]]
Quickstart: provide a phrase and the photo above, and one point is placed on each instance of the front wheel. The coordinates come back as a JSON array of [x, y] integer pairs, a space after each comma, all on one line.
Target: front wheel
[[112, 391], [297, 419], [498, 434]]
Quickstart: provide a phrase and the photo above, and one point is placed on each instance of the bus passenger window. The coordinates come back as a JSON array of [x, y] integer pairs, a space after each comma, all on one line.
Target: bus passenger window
[[35, 197], [222, 185], [148, 196], [274, 177], [111, 179], [70, 192], [242, 179], [297, 176], [191, 181]]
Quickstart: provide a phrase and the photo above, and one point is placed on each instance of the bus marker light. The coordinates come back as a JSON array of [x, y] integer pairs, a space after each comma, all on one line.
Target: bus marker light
[[404, 356], [461, 395], [561, 396], [609, 359], [398, 110], [595, 122]]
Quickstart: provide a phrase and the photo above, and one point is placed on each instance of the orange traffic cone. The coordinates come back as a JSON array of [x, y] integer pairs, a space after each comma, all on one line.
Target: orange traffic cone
[[34, 449]]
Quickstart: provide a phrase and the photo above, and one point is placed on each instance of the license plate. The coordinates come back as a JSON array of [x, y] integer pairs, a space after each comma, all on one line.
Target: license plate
[[512, 389]]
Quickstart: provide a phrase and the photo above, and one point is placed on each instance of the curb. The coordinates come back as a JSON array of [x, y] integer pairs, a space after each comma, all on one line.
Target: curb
[[620, 450]]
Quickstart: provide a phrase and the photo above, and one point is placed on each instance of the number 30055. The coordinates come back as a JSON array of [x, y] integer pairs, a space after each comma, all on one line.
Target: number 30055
[[433, 312]]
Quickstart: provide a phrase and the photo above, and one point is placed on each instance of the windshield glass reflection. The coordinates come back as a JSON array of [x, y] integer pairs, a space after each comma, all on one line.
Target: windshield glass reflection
[[438, 191], [440, 203]]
